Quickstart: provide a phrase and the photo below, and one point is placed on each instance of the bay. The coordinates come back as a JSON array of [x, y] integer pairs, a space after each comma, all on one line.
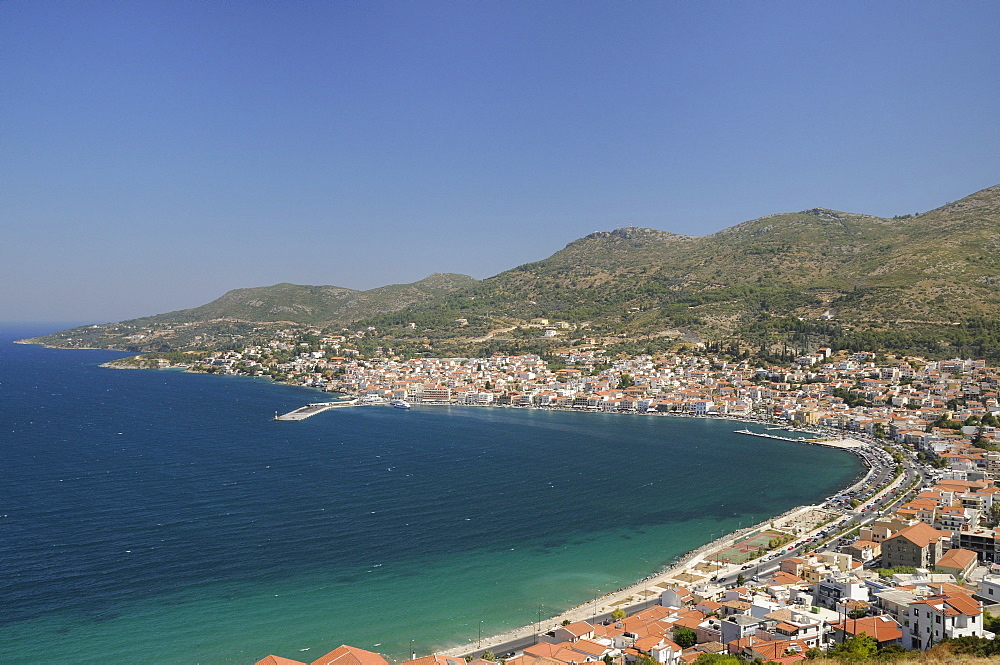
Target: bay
[[164, 513]]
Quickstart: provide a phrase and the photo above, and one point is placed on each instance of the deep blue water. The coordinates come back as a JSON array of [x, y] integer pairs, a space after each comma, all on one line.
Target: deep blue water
[[161, 510]]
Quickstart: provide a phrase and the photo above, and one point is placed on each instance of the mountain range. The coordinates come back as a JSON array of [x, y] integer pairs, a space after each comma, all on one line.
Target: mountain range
[[822, 272]]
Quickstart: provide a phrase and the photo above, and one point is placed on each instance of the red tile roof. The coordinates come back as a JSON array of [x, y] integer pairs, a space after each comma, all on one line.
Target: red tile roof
[[953, 604], [956, 558], [345, 655], [882, 628], [919, 534], [579, 628], [278, 660], [435, 659]]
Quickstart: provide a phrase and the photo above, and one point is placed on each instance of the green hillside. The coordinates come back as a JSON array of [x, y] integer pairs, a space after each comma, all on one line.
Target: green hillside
[[256, 313], [941, 266], [791, 280], [802, 278], [316, 305]]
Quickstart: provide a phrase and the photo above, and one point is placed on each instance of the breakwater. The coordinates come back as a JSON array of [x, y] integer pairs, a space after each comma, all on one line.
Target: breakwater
[[310, 410]]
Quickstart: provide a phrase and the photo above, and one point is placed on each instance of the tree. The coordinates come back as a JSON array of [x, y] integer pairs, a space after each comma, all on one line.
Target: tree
[[625, 381], [740, 580], [991, 622], [889, 572], [489, 655], [618, 614], [685, 637], [854, 649], [890, 650], [974, 646]]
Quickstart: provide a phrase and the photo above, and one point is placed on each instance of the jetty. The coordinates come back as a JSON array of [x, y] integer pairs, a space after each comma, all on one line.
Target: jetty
[[796, 439], [830, 443], [310, 410]]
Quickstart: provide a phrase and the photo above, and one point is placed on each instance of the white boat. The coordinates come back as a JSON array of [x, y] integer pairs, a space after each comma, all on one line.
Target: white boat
[[400, 403]]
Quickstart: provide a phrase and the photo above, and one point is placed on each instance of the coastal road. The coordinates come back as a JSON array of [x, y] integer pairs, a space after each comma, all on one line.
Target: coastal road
[[875, 503], [886, 501]]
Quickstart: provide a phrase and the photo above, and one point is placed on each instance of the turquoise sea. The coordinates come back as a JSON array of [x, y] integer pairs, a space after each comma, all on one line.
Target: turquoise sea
[[161, 513]]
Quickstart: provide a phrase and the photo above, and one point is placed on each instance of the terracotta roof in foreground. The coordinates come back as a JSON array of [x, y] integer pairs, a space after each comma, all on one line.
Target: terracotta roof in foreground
[[882, 628], [278, 660], [435, 659], [345, 655]]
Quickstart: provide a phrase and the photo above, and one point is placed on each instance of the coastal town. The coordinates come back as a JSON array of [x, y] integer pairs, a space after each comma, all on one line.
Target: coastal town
[[946, 411], [905, 559]]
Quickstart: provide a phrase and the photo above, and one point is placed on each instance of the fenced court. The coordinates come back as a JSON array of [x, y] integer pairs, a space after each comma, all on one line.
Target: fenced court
[[746, 549]]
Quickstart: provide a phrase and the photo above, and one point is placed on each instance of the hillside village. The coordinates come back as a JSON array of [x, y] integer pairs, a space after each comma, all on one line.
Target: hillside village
[[911, 560]]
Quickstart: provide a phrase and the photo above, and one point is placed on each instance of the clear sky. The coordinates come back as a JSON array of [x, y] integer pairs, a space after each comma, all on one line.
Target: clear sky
[[154, 155]]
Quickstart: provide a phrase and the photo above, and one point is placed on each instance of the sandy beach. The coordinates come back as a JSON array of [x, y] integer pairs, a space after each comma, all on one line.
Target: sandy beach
[[691, 569], [638, 593]]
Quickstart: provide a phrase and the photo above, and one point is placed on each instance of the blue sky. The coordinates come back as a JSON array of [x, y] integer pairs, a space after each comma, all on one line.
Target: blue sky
[[154, 155]]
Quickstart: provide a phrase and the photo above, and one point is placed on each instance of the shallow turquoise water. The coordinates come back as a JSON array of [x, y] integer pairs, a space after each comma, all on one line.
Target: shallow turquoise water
[[164, 512]]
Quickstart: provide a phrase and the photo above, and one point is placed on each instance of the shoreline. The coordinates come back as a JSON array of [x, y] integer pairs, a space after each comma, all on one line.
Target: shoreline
[[620, 598], [637, 593]]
